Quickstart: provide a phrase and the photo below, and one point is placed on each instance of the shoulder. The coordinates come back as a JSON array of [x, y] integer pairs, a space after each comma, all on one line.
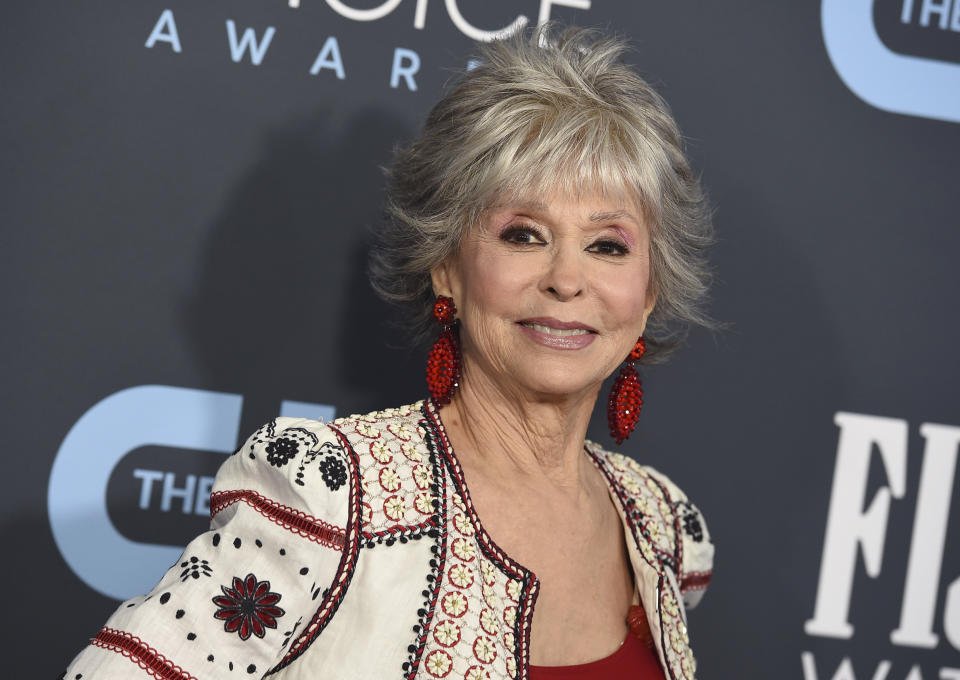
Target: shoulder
[[395, 464], [678, 530]]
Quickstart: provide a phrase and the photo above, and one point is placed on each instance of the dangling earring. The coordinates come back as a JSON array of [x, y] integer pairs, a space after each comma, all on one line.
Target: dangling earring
[[443, 362], [626, 396]]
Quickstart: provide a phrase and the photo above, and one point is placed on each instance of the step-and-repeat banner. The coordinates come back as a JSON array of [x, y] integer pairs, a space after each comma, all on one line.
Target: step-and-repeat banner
[[187, 199]]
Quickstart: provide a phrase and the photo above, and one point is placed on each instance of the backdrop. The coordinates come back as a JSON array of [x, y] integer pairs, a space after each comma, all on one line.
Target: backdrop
[[188, 189]]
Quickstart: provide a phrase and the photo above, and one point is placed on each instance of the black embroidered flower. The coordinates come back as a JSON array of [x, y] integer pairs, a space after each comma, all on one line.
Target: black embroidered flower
[[280, 451], [691, 524], [248, 607], [334, 472], [194, 567]]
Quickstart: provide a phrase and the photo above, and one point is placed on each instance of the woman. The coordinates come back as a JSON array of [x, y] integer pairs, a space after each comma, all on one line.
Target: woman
[[544, 216]]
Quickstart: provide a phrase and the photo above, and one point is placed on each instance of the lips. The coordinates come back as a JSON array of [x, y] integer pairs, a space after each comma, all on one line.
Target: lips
[[558, 334]]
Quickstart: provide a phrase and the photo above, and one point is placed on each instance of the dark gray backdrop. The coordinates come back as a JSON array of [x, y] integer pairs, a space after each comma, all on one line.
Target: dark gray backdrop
[[180, 219]]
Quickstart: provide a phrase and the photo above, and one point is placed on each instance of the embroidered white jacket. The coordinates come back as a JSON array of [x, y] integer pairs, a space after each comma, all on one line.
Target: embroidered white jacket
[[351, 550]]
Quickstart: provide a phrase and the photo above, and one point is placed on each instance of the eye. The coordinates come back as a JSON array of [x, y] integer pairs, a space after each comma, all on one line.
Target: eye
[[608, 247], [522, 234]]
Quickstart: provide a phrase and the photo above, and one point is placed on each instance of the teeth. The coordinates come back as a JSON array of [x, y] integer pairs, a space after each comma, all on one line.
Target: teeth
[[556, 331]]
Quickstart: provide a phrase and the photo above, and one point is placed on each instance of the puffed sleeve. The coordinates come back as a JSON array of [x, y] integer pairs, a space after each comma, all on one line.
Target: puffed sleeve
[[694, 547], [248, 595]]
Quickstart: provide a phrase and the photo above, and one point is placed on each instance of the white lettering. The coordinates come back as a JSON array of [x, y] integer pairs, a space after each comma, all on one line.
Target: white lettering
[[405, 65], [951, 614], [147, 477], [809, 666], [478, 34], [882, 669], [248, 41], [955, 16], [547, 5], [929, 7], [929, 537], [329, 57], [170, 492], [906, 11], [850, 528], [165, 30], [371, 14], [914, 674], [950, 674], [202, 504], [420, 16]]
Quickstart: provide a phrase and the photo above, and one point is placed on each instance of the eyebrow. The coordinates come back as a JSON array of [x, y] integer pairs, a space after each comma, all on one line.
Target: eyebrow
[[612, 215]]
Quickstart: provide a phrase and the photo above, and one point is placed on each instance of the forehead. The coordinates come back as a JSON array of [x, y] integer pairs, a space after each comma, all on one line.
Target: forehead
[[589, 207]]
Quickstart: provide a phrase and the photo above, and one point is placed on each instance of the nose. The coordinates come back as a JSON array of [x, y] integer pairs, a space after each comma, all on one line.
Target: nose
[[564, 278]]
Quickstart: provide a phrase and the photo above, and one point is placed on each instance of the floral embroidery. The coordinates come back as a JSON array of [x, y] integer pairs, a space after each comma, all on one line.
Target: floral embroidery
[[394, 508], [511, 667], [454, 604], [411, 452], [509, 639], [484, 649], [461, 576], [464, 549], [389, 479], [487, 572], [380, 452], [477, 673], [423, 502], [513, 589], [422, 477], [463, 525], [447, 633], [334, 472], [367, 430], [195, 567], [510, 616], [281, 451], [691, 524], [489, 622], [248, 607], [438, 663]]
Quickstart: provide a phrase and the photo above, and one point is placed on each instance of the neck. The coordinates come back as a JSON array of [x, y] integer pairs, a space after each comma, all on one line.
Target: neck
[[516, 436]]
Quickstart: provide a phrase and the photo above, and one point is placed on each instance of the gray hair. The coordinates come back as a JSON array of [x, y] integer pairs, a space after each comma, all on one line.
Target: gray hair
[[547, 110]]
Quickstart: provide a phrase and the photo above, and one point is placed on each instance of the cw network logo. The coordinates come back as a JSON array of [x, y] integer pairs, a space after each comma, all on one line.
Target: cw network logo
[[146, 415], [899, 83], [857, 525]]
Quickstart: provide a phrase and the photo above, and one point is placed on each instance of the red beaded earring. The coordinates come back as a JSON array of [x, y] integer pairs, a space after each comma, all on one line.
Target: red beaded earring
[[443, 362], [626, 396]]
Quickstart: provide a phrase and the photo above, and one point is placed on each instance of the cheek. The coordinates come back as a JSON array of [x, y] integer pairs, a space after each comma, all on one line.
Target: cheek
[[493, 283]]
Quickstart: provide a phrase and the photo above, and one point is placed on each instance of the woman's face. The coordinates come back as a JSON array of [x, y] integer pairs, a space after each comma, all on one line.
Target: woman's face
[[551, 295]]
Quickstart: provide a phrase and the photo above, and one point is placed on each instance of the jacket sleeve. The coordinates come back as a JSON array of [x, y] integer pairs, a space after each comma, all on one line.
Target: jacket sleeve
[[694, 546], [252, 592]]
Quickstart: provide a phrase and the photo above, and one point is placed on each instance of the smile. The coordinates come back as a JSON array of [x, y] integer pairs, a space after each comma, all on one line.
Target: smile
[[556, 334], [559, 332]]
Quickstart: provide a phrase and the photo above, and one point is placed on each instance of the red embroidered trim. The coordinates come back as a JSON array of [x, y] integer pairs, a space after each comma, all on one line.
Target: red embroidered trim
[[695, 580], [138, 651], [289, 518]]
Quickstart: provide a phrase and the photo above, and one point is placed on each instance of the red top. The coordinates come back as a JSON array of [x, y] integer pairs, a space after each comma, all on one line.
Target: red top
[[634, 660]]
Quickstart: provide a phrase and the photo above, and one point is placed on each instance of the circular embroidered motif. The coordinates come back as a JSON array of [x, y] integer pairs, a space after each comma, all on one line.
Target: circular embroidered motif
[[248, 607], [454, 604], [438, 663], [447, 633], [280, 451], [484, 649]]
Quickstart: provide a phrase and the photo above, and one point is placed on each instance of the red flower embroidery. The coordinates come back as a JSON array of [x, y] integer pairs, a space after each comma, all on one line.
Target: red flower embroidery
[[248, 607]]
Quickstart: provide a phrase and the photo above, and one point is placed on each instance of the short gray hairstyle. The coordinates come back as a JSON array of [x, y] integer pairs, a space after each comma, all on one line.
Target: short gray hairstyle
[[547, 110]]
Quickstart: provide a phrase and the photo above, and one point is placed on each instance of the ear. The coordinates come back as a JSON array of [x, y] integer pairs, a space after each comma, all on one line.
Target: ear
[[445, 278], [648, 307]]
